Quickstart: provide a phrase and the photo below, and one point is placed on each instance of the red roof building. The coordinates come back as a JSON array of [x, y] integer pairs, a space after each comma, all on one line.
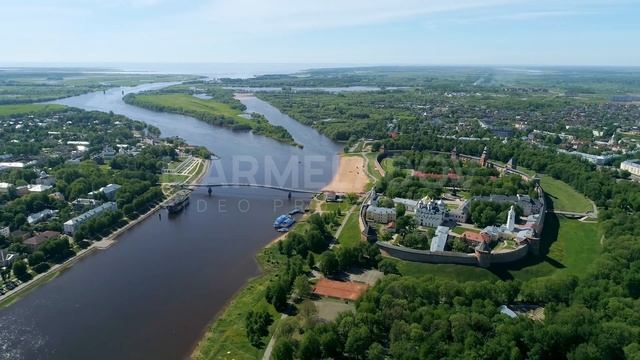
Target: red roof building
[[346, 290]]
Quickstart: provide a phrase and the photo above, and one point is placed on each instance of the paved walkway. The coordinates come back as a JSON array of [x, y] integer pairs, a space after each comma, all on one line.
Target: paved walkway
[[272, 341], [346, 217]]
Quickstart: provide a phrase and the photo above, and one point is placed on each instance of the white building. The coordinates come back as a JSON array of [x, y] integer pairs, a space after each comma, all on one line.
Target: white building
[[41, 216], [440, 240], [632, 166], [39, 188], [430, 214], [5, 231], [5, 187], [72, 225], [409, 204], [380, 214], [109, 191]]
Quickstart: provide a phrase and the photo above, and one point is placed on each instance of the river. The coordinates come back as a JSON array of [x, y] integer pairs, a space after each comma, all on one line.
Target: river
[[152, 294]]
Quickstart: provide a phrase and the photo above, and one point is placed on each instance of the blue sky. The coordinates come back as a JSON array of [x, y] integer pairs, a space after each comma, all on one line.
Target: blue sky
[[525, 32]]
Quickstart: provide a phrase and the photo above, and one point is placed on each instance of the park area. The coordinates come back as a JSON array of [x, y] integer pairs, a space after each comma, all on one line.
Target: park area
[[564, 197]]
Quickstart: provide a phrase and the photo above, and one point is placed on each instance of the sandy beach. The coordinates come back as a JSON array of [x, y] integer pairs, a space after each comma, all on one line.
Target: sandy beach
[[350, 177]]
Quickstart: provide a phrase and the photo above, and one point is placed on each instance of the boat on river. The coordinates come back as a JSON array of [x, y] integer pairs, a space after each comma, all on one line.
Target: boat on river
[[283, 221], [178, 202]]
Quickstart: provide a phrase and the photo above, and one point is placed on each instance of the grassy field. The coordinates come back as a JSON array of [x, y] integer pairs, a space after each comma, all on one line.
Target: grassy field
[[446, 271], [333, 206], [188, 102], [387, 164], [172, 178], [372, 167], [460, 230], [568, 246], [350, 235], [564, 197], [21, 109], [227, 339]]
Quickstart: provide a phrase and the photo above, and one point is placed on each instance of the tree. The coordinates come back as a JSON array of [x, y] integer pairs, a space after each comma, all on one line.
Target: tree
[[358, 341], [20, 270], [352, 198], [375, 352], [41, 267], [330, 345], [400, 210], [311, 261], [36, 258], [257, 324], [307, 311], [301, 287], [388, 267], [310, 346], [283, 349], [405, 224], [415, 240], [277, 293], [328, 263]]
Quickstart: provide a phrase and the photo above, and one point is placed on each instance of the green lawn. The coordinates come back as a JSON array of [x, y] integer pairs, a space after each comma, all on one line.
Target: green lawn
[[564, 197], [172, 178], [372, 165], [333, 206], [387, 164], [19, 109], [460, 230], [446, 271], [568, 246], [350, 235], [226, 338]]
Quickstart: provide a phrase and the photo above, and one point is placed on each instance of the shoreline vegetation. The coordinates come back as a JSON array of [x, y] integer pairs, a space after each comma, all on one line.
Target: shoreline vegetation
[[102, 244], [226, 113]]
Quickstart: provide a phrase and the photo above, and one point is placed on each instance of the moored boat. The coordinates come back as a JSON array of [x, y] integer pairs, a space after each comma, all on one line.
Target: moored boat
[[178, 202]]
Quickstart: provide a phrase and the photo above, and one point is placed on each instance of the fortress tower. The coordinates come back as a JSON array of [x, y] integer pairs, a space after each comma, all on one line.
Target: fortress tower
[[454, 154]]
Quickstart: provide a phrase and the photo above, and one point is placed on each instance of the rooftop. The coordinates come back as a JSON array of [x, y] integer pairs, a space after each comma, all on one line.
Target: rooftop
[[340, 289]]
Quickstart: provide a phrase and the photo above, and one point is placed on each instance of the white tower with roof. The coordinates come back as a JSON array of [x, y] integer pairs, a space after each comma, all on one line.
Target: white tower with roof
[[511, 219]]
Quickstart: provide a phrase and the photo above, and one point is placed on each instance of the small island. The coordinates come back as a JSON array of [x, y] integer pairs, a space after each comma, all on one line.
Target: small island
[[212, 105]]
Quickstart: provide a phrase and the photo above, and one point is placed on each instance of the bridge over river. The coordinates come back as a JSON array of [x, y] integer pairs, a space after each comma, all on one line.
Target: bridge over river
[[274, 187]]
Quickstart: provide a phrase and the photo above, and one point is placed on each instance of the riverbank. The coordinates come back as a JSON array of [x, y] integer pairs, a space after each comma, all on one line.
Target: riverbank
[[102, 244], [351, 176]]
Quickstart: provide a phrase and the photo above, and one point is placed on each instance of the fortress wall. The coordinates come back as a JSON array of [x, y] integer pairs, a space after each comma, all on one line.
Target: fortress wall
[[445, 257], [509, 256]]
